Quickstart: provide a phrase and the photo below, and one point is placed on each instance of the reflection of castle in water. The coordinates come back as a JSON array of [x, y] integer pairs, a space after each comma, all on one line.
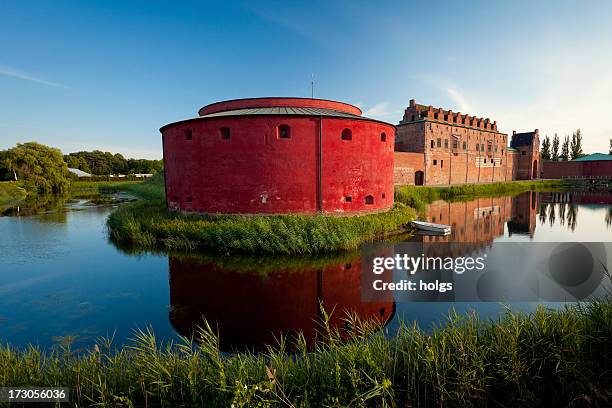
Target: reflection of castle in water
[[251, 309], [482, 220]]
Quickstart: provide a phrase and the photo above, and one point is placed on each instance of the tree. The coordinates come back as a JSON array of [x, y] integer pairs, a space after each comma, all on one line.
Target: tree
[[545, 150], [565, 149], [576, 145], [40, 168], [554, 154]]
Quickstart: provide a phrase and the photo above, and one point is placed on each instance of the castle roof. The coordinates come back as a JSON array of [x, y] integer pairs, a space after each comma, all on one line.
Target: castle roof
[[594, 157], [522, 139]]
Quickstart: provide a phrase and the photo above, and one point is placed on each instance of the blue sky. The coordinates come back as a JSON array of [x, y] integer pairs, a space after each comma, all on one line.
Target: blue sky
[[83, 75]]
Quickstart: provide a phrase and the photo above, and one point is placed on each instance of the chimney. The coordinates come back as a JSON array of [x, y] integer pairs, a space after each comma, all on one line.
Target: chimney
[[513, 132], [412, 103], [536, 132]]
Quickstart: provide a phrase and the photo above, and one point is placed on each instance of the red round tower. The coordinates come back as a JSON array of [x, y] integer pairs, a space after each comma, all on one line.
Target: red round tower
[[277, 156]]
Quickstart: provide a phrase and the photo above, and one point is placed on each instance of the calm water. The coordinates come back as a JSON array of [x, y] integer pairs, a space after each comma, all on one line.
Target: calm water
[[62, 281]]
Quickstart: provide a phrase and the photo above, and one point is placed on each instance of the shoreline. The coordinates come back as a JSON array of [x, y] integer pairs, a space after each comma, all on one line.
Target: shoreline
[[148, 224]]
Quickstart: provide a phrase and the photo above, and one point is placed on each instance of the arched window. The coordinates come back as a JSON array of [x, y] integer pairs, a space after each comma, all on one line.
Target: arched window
[[369, 200], [383, 137], [225, 133], [347, 134], [284, 132], [188, 134], [432, 143]]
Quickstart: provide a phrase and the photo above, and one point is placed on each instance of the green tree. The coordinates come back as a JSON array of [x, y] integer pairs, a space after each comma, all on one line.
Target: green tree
[[576, 145], [545, 149], [565, 149], [554, 153], [40, 168]]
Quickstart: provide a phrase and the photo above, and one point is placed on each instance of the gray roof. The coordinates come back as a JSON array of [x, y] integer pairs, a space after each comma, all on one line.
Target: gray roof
[[78, 172], [522, 139], [289, 110]]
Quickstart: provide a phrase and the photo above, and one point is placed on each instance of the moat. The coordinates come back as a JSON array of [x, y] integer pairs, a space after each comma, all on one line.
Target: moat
[[63, 282]]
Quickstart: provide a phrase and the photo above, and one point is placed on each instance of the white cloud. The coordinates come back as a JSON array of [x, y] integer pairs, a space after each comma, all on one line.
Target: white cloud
[[460, 100], [381, 111], [17, 74]]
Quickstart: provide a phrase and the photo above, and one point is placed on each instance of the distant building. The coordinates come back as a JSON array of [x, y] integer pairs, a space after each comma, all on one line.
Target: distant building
[[78, 172], [436, 147], [596, 165]]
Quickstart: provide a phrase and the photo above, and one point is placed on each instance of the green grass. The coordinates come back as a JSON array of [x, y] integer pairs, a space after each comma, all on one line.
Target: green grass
[[147, 223], [419, 196], [11, 191], [547, 358]]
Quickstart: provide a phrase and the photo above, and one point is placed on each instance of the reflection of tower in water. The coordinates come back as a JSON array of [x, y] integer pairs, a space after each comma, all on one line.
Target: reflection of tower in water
[[525, 208], [250, 309]]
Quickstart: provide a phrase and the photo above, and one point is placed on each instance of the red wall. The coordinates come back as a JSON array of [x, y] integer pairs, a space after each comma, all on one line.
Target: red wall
[[563, 169], [257, 172]]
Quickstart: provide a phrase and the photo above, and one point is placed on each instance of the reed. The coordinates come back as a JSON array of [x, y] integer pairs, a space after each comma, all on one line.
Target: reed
[[546, 358]]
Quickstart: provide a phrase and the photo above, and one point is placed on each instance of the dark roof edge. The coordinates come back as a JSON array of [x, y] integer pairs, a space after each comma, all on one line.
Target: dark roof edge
[[276, 97], [268, 115]]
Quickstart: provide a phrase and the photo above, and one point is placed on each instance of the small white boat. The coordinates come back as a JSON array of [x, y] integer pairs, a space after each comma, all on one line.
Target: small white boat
[[431, 227]]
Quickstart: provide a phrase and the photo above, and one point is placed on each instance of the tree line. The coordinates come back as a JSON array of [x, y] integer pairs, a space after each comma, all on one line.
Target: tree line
[[105, 163], [571, 147], [43, 169]]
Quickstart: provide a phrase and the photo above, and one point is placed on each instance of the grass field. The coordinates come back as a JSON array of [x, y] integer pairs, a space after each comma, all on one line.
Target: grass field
[[548, 358]]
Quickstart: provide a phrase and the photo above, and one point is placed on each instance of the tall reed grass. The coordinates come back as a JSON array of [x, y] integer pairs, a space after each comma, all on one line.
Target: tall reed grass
[[547, 358]]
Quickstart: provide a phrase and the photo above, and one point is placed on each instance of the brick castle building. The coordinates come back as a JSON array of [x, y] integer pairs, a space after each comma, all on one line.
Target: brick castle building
[[303, 155], [434, 146]]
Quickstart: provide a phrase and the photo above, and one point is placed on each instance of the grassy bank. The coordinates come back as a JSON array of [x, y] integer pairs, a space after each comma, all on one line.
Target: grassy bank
[[418, 196], [548, 358], [148, 224], [11, 191]]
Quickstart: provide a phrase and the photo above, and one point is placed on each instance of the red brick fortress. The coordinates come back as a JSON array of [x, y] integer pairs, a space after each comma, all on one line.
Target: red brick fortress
[[278, 156], [438, 147]]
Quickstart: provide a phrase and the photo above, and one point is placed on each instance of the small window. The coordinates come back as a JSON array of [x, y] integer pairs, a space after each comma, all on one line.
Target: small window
[[523, 153], [432, 144], [464, 146], [502, 152], [284, 132], [383, 137], [439, 142], [435, 162], [485, 160], [188, 134], [225, 133], [369, 200], [441, 163], [446, 143], [455, 144], [383, 195], [477, 147], [348, 266], [348, 199], [413, 118], [347, 134]]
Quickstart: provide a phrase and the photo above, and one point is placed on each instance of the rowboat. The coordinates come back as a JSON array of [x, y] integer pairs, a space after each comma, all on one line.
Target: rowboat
[[431, 227]]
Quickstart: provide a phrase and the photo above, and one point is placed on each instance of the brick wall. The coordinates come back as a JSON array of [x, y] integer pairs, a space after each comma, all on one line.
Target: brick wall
[[406, 164]]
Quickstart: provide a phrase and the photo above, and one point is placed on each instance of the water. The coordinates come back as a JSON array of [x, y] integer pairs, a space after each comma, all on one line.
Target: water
[[63, 282]]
